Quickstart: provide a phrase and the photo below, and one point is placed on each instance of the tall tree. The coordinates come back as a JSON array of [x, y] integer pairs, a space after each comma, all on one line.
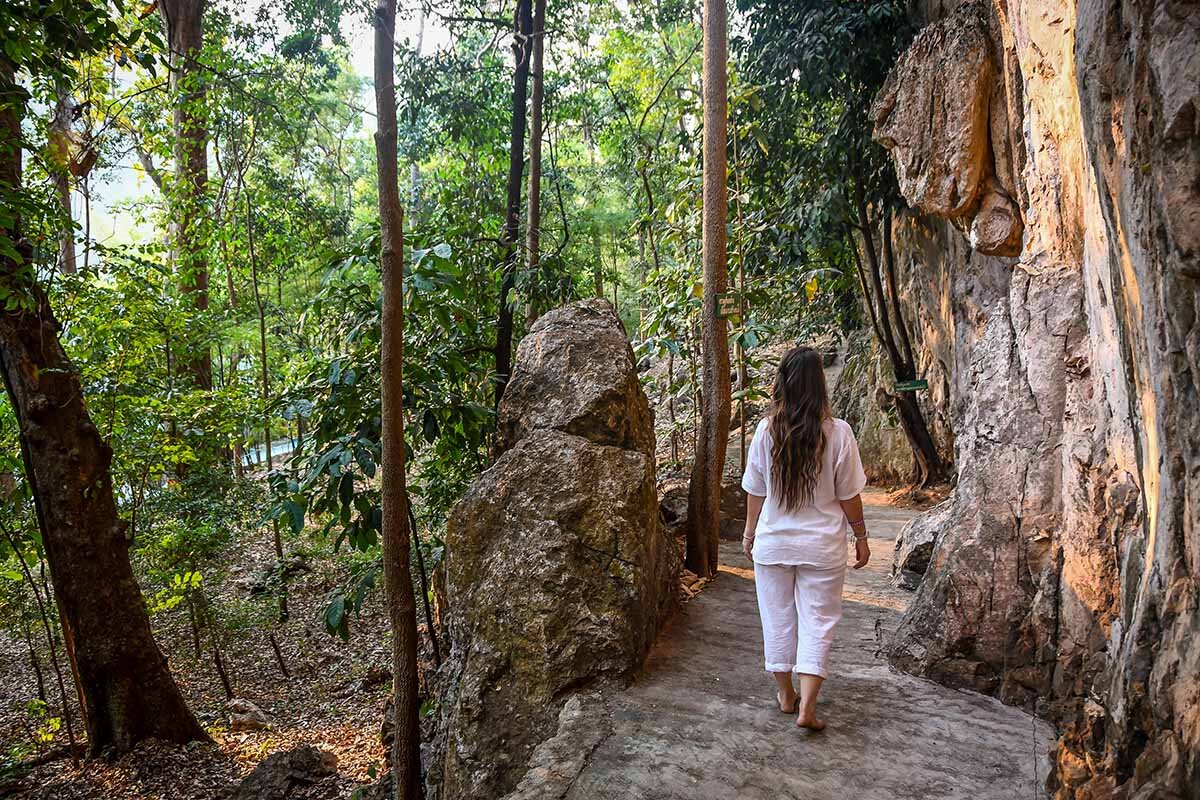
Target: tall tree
[[819, 66], [522, 49], [402, 610], [533, 233], [704, 489], [126, 691], [887, 322], [184, 21]]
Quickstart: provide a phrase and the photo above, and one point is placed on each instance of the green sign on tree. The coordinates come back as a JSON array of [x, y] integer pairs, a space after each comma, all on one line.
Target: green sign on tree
[[728, 305]]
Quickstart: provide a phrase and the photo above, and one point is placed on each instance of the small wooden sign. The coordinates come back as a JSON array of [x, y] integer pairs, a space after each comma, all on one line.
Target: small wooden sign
[[728, 305], [911, 386]]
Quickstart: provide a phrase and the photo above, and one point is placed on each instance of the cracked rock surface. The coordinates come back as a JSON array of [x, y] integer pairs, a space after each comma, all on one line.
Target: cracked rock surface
[[559, 574], [1064, 573]]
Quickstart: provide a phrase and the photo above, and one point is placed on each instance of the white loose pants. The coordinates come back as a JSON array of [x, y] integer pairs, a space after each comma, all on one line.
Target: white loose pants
[[799, 606]]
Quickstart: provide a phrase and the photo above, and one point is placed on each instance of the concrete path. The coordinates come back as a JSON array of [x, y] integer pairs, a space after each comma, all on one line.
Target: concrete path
[[701, 722]]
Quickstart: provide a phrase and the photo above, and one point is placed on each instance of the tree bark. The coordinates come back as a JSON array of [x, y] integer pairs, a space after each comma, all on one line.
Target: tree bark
[[533, 233], [126, 691], [704, 490], [402, 613], [516, 165], [185, 38], [59, 140]]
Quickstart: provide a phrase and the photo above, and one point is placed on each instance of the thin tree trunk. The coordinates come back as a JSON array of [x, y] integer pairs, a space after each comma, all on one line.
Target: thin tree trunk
[[671, 407], [433, 641], [743, 383], [414, 169], [512, 215], [68, 717], [886, 320], [279, 655], [597, 264], [219, 664], [533, 231], [59, 142], [262, 335], [650, 214], [704, 490], [127, 692], [184, 21], [239, 456], [35, 663], [406, 758], [87, 220]]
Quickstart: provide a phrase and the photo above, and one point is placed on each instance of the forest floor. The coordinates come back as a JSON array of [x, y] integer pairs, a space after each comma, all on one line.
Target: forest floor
[[333, 699], [701, 722]]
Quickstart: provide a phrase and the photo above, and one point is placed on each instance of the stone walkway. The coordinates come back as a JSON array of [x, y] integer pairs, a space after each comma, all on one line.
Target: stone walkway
[[701, 722]]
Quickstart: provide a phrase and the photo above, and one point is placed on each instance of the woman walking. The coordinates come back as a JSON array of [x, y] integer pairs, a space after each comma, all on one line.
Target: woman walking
[[802, 478]]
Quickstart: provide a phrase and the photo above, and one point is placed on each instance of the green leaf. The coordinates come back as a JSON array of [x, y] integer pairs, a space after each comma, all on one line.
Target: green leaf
[[335, 614], [429, 426], [365, 461]]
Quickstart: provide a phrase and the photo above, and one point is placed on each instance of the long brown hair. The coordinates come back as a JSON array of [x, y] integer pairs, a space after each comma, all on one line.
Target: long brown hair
[[799, 408]]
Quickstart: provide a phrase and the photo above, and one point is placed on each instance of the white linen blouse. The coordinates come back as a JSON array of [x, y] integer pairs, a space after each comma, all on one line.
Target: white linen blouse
[[814, 534]]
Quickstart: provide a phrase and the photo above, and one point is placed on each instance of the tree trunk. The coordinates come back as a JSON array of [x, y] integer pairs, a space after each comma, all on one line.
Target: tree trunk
[[185, 37], [262, 334], [743, 375], [533, 231], [126, 691], [887, 321], [59, 141], [671, 407], [704, 490], [402, 612], [234, 360], [598, 263], [512, 215]]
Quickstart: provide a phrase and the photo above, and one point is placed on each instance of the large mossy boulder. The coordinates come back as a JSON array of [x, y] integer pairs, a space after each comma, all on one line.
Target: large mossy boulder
[[558, 572]]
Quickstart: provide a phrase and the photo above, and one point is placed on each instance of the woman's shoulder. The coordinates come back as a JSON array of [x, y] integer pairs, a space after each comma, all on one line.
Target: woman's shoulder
[[841, 427]]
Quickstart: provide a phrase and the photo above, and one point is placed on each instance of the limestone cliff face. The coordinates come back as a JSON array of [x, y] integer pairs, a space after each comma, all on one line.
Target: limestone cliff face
[[1051, 154]]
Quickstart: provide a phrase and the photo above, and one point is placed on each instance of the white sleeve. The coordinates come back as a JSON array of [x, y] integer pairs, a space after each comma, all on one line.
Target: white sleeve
[[849, 478], [754, 476]]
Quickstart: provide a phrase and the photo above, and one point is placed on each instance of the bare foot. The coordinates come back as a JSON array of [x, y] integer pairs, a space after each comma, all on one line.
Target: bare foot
[[787, 708], [808, 720]]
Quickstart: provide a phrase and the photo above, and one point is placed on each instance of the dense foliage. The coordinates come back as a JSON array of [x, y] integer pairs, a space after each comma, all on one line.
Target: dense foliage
[[284, 447]]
